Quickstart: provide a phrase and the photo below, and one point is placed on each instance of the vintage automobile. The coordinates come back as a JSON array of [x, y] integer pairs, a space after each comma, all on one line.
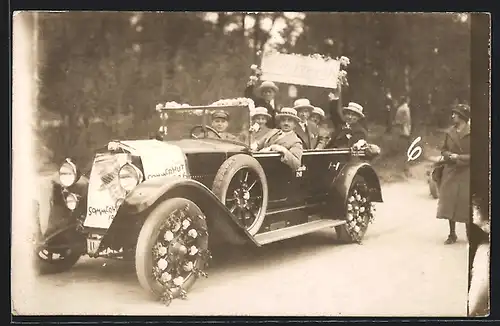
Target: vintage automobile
[[164, 202]]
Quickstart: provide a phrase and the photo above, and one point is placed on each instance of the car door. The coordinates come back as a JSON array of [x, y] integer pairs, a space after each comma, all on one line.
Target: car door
[[322, 167], [283, 184]]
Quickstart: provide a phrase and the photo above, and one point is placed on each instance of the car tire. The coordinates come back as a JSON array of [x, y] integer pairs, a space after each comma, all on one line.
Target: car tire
[[169, 216], [357, 219], [225, 176]]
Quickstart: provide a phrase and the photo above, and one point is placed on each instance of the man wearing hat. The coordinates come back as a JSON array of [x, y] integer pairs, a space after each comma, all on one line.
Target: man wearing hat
[[284, 140], [308, 132], [220, 122], [265, 96], [454, 201], [352, 130], [259, 117]]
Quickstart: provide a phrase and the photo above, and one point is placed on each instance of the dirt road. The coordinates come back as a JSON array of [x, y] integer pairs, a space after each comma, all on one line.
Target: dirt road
[[401, 269]]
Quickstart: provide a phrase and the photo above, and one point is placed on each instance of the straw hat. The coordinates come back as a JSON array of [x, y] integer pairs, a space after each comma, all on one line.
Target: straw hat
[[220, 114], [260, 110], [318, 111], [288, 112], [268, 85], [302, 103], [356, 108]]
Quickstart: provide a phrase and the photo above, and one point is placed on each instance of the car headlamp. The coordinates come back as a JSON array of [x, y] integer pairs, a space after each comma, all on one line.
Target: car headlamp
[[71, 201], [68, 173], [129, 176]]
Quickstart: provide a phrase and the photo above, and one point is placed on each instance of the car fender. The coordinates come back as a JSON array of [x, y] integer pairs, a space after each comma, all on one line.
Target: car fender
[[222, 224], [340, 185], [52, 215]]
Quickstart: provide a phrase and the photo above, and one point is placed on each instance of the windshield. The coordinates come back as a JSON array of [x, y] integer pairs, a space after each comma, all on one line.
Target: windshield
[[227, 123]]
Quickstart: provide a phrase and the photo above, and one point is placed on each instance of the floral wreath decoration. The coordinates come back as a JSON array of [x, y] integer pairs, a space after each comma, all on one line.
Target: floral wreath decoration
[[181, 252]]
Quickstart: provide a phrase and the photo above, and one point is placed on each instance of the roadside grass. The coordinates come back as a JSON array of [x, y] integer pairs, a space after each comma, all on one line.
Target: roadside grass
[[388, 164]]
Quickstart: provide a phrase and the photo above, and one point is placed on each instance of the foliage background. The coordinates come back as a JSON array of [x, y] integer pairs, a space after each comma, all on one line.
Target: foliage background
[[100, 74]]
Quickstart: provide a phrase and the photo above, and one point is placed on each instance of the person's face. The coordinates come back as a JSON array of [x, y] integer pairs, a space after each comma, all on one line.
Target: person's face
[[260, 119], [351, 117], [456, 119], [315, 118], [287, 124], [268, 94], [303, 114], [220, 124]]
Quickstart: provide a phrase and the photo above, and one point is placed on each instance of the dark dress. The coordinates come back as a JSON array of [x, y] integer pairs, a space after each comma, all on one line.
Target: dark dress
[[258, 101]]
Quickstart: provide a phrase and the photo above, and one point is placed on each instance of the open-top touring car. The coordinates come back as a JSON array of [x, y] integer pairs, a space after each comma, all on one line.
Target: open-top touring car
[[163, 202]]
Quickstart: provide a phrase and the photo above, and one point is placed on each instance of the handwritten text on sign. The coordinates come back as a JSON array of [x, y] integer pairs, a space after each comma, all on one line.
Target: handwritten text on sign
[[300, 70], [414, 152]]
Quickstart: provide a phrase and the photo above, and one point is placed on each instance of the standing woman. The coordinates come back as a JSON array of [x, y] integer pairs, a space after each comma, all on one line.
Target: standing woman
[[454, 200]]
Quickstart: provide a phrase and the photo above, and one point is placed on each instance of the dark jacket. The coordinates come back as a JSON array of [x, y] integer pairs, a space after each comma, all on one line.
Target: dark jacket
[[348, 135], [258, 101], [312, 138]]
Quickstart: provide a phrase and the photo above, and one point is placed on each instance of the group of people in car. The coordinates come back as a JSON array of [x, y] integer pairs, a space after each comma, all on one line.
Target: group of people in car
[[291, 130]]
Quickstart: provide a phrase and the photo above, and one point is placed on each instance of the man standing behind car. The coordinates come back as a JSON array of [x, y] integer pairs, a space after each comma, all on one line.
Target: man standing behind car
[[264, 95], [284, 140]]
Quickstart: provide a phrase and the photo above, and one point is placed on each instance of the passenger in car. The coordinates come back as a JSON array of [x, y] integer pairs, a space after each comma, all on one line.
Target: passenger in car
[[306, 130], [220, 122], [318, 117], [352, 130], [259, 118], [284, 140]]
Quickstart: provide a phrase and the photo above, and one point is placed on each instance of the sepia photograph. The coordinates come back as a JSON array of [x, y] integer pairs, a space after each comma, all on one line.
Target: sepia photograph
[[246, 164]]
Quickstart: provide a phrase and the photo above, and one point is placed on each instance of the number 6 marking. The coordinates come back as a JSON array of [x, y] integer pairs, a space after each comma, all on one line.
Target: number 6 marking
[[414, 152]]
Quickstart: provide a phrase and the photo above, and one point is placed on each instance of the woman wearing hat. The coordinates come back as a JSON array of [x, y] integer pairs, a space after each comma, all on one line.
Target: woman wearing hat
[[352, 130], [454, 201], [260, 117], [318, 118], [284, 140], [265, 96]]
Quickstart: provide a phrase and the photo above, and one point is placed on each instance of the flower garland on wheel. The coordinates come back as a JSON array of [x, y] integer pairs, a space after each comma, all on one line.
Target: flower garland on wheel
[[360, 213], [181, 252]]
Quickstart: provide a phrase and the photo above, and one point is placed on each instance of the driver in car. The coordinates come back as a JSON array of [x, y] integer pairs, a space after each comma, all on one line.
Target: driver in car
[[220, 122], [283, 140]]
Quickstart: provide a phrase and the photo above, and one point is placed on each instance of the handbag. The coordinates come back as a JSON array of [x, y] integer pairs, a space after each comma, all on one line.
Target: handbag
[[437, 172]]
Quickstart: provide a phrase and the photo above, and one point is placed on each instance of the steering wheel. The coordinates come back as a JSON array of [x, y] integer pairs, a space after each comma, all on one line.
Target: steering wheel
[[201, 127]]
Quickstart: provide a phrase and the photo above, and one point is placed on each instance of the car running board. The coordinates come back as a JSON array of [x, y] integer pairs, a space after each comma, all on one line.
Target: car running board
[[296, 230]]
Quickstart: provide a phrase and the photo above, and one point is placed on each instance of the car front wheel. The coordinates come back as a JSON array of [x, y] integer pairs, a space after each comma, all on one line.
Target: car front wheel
[[359, 212], [172, 249]]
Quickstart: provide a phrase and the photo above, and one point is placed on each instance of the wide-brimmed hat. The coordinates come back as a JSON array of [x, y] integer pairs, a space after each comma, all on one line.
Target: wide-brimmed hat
[[220, 114], [260, 110], [268, 85], [288, 112], [318, 111], [302, 103], [356, 108], [463, 110]]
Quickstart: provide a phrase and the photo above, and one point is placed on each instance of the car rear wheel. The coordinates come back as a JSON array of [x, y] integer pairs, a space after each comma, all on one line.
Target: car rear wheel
[[241, 185], [172, 249], [359, 212]]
